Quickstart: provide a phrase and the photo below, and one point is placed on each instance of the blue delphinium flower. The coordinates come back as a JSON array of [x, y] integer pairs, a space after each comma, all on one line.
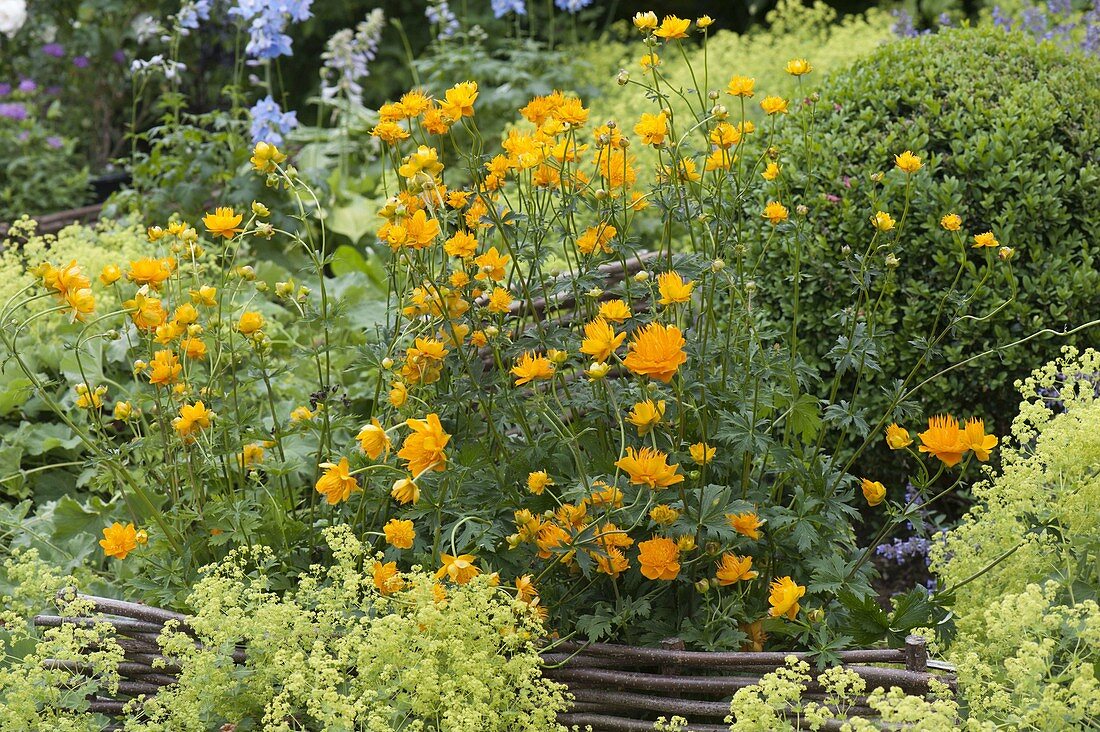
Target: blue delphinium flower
[[267, 22], [572, 6], [503, 7], [1001, 20], [270, 122], [904, 27], [439, 14], [347, 57]]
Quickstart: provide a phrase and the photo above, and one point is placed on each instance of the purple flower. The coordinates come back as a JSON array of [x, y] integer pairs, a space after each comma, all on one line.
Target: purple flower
[[119, 57], [5, 89], [270, 122], [55, 142], [53, 91], [14, 110], [1001, 20], [81, 62], [27, 85], [54, 49], [904, 25], [1060, 7]]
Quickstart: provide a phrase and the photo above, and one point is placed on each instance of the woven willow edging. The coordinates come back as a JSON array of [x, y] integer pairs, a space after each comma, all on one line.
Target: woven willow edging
[[616, 688]]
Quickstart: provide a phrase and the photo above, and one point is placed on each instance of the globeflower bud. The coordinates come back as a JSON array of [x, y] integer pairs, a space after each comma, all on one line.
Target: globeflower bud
[[601, 194], [260, 210], [845, 250], [1005, 253], [246, 272], [597, 370], [594, 293], [492, 331], [284, 289], [623, 78], [712, 96], [892, 262], [694, 474], [387, 363], [802, 209], [642, 276], [712, 548], [750, 286], [816, 615], [112, 335], [262, 286], [877, 177], [718, 265], [719, 111], [702, 586], [513, 541], [557, 357]]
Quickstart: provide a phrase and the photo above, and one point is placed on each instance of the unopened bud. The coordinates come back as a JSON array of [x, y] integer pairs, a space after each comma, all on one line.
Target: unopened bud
[[1005, 253], [719, 111], [262, 286], [892, 262], [641, 276], [387, 363], [718, 265], [702, 586], [623, 78]]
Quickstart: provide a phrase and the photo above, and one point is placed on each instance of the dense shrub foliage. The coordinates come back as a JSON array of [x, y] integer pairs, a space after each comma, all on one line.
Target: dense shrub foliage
[[1012, 127]]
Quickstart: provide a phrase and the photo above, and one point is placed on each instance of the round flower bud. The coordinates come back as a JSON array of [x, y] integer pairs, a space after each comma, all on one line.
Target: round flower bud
[[718, 265], [877, 177], [387, 363], [262, 286], [712, 96], [492, 331], [702, 586], [719, 111], [641, 276], [712, 548], [601, 194], [246, 272], [816, 615], [1005, 253], [750, 286], [694, 474], [594, 293], [845, 250], [892, 262], [802, 209], [623, 78]]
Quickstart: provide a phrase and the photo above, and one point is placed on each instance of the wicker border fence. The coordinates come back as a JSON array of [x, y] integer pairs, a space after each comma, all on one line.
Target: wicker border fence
[[616, 688]]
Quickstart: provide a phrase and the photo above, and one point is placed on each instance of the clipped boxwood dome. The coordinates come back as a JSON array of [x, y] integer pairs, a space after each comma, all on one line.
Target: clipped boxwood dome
[[1009, 131]]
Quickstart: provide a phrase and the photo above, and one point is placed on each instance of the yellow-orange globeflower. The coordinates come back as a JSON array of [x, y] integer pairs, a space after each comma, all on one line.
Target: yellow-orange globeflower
[[783, 598], [747, 524], [460, 569], [223, 222], [656, 351], [337, 483], [733, 568], [649, 467], [530, 367], [600, 339], [659, 559], [423, 448], [118, 540], [944, 440]]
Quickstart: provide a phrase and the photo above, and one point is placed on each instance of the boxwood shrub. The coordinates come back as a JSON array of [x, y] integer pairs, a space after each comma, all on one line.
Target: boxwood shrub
[[1009, 130]]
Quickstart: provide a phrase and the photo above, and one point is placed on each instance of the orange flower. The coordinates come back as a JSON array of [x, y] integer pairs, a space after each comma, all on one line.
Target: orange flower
[[733, 568], [747, 524], [775, 212], [491, 265], [462, 245], [600, 339], [250, 322], [459, 100], [192, 418], [673, 289], [373, 440], [530, 367], [596, 237], [944, 439], [223, 222], [399, 534], [459, 569], [897, 438], [146, 312], [612, 562], [740, 86], [405, 491], [774, 105], [537, 481], [646, 415], [784, 597], [148, 271], [656, 351], [386, 578], [873, 491], [652, 128], [614, 311], [672, 27], [337, 484], [164, 368], [119, 540], [659, 558], [649, 467], [977, 440], [702, 453], [907, 162], [423, 448]]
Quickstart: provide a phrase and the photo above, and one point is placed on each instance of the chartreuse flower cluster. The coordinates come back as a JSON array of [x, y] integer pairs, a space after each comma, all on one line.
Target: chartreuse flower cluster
[[1022, 562], [574, 391], [336, 653]]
